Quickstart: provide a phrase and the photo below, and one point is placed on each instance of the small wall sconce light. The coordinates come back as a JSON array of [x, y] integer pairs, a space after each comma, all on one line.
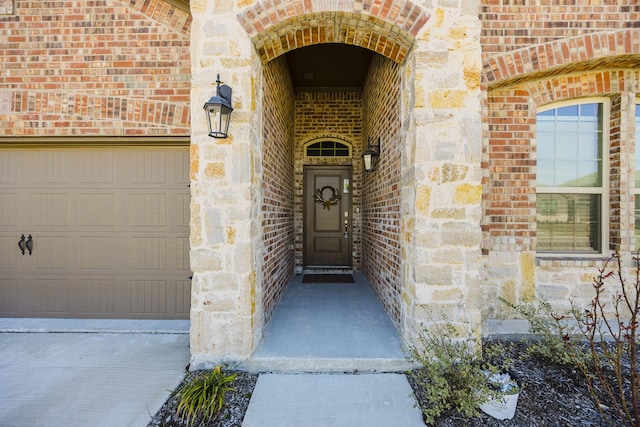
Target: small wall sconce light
[[218, 110], [370, 156]]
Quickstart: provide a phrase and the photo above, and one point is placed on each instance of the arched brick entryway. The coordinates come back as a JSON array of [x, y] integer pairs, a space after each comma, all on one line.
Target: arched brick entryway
[[386, 27]]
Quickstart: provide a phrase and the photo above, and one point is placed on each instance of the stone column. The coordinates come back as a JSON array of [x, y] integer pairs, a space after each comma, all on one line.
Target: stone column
[[442, 171], [225, 179]]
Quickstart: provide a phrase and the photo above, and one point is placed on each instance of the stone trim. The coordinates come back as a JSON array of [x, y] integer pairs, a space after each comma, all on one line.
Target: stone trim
[[386, 27]]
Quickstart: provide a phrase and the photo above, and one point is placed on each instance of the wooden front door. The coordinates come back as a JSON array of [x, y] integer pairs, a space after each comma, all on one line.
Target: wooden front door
[[327, 216]]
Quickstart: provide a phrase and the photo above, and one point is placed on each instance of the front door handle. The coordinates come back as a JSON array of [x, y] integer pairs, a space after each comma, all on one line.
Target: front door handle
[[22, 244], [29, 245]]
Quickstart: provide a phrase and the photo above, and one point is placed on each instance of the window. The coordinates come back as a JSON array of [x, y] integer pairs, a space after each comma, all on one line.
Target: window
[[570, 183], [636, 189], [328, 149]]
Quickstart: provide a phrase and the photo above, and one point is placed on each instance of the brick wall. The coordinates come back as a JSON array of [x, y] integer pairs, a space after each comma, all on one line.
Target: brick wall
[[535, 55], [381, 256], [509, 25], [328, 115], [94, 68], [277, 183]]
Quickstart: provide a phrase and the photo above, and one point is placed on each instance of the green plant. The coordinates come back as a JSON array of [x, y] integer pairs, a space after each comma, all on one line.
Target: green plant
[[601, 341], [204, 396], [551, 333], [452, 371]]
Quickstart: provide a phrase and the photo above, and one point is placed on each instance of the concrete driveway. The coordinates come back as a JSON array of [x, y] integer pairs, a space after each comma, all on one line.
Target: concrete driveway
[[116, 377]]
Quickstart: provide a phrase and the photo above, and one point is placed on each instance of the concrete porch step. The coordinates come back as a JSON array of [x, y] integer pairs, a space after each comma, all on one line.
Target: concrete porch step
[[325, 365], [314, 400]]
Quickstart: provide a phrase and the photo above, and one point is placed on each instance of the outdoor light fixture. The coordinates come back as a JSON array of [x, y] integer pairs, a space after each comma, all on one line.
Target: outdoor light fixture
[[370, 156], [218, 110]]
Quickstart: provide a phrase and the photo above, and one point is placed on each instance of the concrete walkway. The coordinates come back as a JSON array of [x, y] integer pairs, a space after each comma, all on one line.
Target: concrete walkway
[[110, 379], [329, 357], [332, 400], [329, 327], [333, 358]]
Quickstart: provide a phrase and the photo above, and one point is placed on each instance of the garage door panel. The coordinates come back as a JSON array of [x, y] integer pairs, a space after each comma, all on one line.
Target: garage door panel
[[97, 209], [50, 210], [9, 253], [148, 167], [95, 296], [182, 209], [9, 169], [181, 167], [148, 296], [110, 230], [51, 253], [47, 168], [182, 297], [9, 212], [148, 253], [96, 252], [148, 209], [182, 254], [50, 296], [95, 168], [8, 295]]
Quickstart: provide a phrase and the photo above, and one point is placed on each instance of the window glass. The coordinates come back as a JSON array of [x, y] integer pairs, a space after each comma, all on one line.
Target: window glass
[[328, 149], [570, 146], [570, 179], [568, 222]]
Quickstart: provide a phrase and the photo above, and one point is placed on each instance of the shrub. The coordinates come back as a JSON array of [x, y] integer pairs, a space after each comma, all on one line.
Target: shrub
[[203, 397], [601, 341], [611, 332], [551, 333], [453, 371]]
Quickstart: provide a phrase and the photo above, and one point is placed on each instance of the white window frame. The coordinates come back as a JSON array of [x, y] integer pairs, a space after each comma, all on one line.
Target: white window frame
[[603, 190], [633, 189]]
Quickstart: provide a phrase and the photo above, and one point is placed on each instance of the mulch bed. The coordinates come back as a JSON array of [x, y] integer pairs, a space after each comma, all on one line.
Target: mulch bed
[[551, 396]]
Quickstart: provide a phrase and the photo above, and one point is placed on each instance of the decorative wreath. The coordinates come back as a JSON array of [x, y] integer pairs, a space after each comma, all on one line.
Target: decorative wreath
[[326, 204]]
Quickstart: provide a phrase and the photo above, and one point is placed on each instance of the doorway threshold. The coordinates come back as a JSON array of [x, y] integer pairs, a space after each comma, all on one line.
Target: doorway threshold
[[327, 270], [329, 327]]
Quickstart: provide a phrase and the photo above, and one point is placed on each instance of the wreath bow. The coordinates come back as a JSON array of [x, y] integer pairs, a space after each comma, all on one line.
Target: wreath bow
[[326, 204]]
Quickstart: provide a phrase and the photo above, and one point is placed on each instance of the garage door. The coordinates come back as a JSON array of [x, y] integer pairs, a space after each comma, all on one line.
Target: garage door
[[95, 232]]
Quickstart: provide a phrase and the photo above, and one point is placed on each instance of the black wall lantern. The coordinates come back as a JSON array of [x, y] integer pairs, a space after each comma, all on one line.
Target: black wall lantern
[[370, 156], [218, 110]]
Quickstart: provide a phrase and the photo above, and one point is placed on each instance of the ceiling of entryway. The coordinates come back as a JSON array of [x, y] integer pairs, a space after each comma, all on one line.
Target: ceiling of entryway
[[329, 66]]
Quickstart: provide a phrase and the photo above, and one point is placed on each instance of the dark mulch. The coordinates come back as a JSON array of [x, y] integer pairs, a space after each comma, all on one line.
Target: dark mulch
[[551, 396]]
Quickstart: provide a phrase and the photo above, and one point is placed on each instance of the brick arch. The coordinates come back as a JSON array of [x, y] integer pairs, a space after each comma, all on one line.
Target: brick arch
[[580, 85], [80, 113], [615, 49], [387, 27]]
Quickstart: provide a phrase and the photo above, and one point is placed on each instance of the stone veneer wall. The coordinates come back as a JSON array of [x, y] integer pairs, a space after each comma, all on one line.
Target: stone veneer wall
[[435, 45], [535, 55], [441, 134], [116, 68], [328, 115], [381, 189], [277, 183]]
